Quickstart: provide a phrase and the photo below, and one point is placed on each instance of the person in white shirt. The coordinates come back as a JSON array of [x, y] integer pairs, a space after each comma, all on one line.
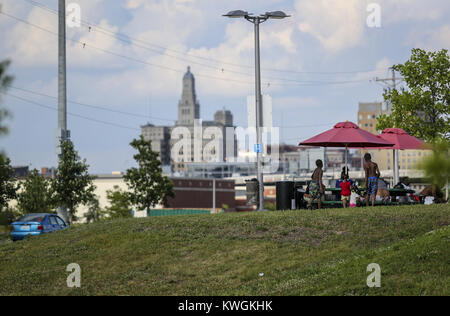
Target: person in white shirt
[[354, 196]]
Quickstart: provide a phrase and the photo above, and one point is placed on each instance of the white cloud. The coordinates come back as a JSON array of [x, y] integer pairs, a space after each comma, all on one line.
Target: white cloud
[[412, 10], [296, 103], [434, 39], [341, 25], [336, 24]]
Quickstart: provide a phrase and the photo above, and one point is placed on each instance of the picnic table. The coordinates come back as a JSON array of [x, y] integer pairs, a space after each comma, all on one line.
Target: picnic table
[[392, 193]]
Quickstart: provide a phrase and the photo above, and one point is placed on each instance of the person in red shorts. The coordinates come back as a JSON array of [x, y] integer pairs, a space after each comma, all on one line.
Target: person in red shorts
[[345, 191]]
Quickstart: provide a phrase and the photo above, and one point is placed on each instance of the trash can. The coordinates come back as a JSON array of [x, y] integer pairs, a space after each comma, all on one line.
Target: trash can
[[299, 192], [252, 191], [285, 195]]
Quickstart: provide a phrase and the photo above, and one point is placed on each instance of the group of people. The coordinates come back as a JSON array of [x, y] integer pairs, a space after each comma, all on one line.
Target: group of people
[[350, 194]]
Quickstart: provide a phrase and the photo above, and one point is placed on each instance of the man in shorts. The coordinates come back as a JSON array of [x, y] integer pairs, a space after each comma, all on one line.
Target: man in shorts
[[372, 175], [316, 187]]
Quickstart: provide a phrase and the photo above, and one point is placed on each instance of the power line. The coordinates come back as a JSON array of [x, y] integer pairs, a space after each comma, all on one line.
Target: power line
[[393, 79], [104, 108], [131, 40], [98, 107], [84, 44], [71, 114]]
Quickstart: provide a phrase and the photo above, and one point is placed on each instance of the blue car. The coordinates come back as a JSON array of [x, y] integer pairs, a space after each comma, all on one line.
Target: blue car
[[36, 224]]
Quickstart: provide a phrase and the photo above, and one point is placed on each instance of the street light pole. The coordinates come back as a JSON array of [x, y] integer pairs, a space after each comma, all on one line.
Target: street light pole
[[62, 133], [259, 114], [257, 20]]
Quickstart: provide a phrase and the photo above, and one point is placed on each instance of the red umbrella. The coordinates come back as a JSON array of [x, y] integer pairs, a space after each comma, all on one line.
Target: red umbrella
[[402, 140], [346, 134]]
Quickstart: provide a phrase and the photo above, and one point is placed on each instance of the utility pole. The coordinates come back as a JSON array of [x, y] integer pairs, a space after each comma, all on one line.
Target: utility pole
[[62, 133], [392, 83], [62, 86]]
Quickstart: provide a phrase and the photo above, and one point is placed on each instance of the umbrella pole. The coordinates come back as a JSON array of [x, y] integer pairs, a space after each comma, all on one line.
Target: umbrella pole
[[346, 159], [396, 167]]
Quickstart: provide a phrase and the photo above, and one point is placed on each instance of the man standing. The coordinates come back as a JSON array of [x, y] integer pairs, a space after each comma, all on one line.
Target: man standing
[[316, 187], [372, 175]]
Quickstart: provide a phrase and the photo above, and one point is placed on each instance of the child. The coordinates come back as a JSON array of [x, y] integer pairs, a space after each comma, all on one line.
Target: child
[[345, 191], [354, 196]]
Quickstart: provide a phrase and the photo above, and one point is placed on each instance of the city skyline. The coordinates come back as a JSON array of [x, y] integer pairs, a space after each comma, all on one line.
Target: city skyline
[[220, 53]]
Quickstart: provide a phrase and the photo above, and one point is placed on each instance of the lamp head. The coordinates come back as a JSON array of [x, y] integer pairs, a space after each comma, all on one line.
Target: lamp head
[[276, 15], [236, 14]]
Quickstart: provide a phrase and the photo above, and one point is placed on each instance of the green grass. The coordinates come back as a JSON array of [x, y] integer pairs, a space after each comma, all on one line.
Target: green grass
[[322, 252], [4, 234]]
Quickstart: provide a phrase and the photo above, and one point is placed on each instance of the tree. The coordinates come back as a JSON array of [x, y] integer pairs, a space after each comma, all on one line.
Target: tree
[[8, 215], [36, 195], [8, 183], [423, 108], [8, 186], [5, 82], [147, 184], [437, 166], [72, 184], [119, 204], [94, 213]]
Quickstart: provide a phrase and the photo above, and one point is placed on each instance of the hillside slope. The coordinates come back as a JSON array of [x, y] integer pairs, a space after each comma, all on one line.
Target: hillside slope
[[299, 252]]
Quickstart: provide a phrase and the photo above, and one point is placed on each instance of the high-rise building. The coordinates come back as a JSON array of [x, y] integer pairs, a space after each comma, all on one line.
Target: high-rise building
[[368, 114], [188, 117], [224, 117], [188, 107], [160, 138]]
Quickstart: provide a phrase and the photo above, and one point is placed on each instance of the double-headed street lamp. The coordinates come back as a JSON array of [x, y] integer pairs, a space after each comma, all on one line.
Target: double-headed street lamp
[[257, 20]]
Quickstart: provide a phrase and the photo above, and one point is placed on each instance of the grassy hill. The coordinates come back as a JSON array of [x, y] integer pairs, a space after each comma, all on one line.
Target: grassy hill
[[322, 252]]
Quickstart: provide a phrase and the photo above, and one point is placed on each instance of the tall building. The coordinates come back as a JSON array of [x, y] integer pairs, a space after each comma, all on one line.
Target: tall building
[[367, 120], [368, 114], [188, 115], [160, 138], [224, 117], [188, 107]]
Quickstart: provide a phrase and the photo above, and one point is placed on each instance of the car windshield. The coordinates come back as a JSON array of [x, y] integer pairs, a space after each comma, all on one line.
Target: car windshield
[[32, 218]]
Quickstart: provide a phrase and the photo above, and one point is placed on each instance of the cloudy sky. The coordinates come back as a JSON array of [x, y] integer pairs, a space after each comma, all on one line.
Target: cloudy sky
[[317, 65]]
